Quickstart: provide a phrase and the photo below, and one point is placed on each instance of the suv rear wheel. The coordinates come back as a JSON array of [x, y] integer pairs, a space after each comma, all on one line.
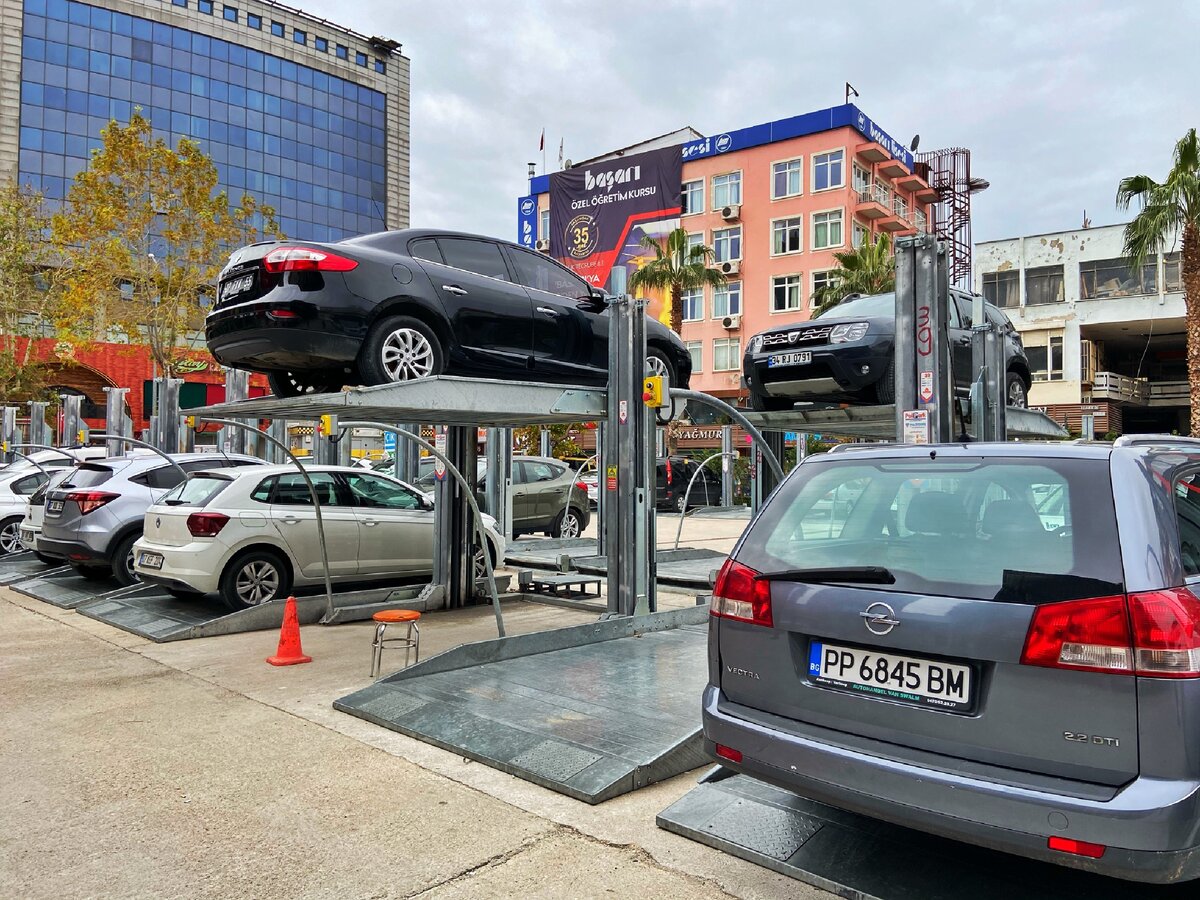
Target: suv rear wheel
[[400, 348], [122, 561], [1015, 392], [568, 524]]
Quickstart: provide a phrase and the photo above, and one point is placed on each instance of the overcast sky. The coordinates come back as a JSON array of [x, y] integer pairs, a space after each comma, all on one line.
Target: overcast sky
[[1056, 101]]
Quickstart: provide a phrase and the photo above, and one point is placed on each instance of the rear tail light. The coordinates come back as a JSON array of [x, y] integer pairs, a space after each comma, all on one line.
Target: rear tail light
[[729, 753], [90, 501], [306, 259], [740, 594], [1154, 634], [1076, 848], [204, 524], [581, 486], [669, 476], [282, 314]]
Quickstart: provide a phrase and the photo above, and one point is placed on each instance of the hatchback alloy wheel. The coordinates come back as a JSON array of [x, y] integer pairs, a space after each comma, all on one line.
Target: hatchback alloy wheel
[[407, 355], [257, 582]]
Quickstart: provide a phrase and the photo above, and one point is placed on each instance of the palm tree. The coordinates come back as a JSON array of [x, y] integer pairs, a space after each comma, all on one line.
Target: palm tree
[[1168, 211], [676, 268], [868, 269]]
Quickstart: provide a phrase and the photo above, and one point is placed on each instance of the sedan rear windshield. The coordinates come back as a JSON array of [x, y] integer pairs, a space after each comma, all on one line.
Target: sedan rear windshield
[[1012, 530], [196, 491]]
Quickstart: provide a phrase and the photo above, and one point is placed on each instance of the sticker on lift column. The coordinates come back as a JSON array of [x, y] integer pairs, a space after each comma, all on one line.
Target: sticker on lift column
[[439, 467], [916, 426], [611, 478], [926, 387], [623, 411]]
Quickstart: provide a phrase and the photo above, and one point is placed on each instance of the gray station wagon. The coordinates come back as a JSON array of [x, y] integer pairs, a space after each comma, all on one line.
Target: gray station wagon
[[998, 643]]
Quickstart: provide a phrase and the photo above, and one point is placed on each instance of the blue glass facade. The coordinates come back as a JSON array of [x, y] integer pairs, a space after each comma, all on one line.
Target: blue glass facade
[[308, 143]]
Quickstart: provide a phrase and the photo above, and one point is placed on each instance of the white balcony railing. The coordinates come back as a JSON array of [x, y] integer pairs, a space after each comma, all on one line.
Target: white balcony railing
[[876, 193], [900, 208], [920, 222], [1114, 386]]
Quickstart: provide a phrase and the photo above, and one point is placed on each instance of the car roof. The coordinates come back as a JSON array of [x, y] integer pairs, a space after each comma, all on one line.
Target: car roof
[[1009, 449], [284, 468]]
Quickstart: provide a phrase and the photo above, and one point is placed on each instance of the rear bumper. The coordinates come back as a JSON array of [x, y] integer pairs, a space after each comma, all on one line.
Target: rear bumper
[[71, 551], [29, 538], [192, 567], [1149, 828], [247, 336]]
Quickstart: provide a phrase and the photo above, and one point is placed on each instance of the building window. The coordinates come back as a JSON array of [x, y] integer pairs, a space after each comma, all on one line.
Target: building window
[[360, 59], [828, 170], [229, 13], [1172, 280], [1002, 288], [785, 235], [727, 300], [786, 178], [299, 37], [1045, 356], [1043, 286], [860, 234], [822, 281], [692, 196], [1100, 278], [727, 189], [727, 244], [695, 350], [343, 52], [694, 239], [544, 225], [380, 66], [182, 3], [785, 293], [827, 229], [727, 354], [862, 180], [277, 29], [693, 305], [205, 6], [253, 20], [321, 44]]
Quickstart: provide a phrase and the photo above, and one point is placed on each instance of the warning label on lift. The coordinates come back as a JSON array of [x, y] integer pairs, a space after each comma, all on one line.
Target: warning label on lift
[[926, 387], [439, 467], [611, 478]]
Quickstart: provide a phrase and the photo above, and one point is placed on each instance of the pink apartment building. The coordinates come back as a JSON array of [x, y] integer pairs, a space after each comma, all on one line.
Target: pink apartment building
[[775, 202]]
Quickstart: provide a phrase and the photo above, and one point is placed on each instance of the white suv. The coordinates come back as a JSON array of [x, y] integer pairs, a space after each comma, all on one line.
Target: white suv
[[251, 535]]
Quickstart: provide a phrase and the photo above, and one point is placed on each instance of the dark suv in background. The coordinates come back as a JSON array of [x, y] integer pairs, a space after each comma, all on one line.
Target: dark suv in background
[[847, 355], [401, 305], [997, 643]]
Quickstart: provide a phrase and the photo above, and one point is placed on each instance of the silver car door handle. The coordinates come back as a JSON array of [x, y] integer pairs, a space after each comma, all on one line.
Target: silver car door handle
[[454, 289], [548, 310], [370, 522], [290, 521]]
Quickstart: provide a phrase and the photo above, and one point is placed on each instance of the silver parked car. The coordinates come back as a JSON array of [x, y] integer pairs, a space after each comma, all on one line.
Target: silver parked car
[[94, 517], [996, 643]]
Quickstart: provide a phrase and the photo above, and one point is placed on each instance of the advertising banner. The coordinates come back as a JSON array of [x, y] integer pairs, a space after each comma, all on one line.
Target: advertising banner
[[599, 212], [527, 221]]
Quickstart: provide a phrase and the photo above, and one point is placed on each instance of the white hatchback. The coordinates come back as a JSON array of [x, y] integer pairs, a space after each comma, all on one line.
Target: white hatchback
[[250, 534]]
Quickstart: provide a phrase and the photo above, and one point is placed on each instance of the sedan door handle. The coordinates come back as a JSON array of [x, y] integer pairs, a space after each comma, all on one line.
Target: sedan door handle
[[370, 522], [548, 310], [454, 289], [290, 521]]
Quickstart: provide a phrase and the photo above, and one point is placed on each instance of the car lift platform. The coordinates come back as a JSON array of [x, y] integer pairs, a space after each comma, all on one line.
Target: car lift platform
[[591, 711], [685, 567], [63, 587], [861, 858], [879, 422], [23, 565]]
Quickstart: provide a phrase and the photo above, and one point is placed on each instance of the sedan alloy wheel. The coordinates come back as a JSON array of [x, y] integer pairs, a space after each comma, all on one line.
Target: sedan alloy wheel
[[407, 354]]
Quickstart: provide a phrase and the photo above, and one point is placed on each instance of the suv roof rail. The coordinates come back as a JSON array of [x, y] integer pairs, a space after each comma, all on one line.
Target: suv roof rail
[[846, 448], [1146, 440]]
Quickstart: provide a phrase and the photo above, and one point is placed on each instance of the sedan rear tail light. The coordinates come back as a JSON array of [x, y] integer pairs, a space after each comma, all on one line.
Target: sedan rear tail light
[[206, 524], [90, 501], [306, 259], [740, 594], [1154, 634]]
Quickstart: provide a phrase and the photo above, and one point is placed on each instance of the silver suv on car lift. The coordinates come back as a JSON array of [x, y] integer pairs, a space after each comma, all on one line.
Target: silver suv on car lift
[[998, 643]]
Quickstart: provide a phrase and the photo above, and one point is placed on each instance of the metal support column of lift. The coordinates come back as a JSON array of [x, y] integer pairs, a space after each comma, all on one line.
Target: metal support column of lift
[[407, 457], [499, 478], [115, 419], [8, 433], [168, 414], [455, 538], [988, 396], [277, 435], [601, 492], [629, 510], [72, 420], [39, 431], [924, 386], [764, 480], [544, 446], [237, 387], [728, 465]]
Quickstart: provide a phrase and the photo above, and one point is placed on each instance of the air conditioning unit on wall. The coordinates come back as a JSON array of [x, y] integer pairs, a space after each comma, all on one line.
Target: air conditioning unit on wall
[[731, 323], [731, 212], [730, 267], [542, 245]]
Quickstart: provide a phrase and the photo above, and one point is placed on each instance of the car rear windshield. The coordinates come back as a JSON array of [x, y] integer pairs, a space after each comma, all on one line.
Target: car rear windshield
[[875, 305], [88, 475], [196, 491], [1012, 530]]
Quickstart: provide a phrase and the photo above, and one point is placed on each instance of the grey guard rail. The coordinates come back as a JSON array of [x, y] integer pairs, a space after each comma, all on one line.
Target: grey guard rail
[[312, 492], [401, 434], [691, 481], [735, 414]]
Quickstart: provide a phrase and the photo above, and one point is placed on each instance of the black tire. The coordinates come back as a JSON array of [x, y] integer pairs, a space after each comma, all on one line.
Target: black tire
[[561, 523], [388, 335], [251, 564], [656, 358], [10, 535], [122, 561], [93, 573], [680, 503], [1015, 389], [295, 384], [762, 403], [885, 388]]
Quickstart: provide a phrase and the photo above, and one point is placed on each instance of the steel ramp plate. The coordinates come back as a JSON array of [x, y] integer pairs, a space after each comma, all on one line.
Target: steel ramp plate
[[20, 566], [856, 857], [545, 553], [64, 588], [592, 721]]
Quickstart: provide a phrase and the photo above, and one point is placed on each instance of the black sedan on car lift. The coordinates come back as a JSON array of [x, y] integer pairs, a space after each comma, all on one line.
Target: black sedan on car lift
[[400, 305]]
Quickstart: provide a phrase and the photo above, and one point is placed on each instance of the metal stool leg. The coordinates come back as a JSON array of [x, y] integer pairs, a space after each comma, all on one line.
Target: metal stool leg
[[377, 649]]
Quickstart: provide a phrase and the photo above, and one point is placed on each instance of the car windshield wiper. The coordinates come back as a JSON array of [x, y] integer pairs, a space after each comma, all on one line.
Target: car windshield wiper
[[859, 574]]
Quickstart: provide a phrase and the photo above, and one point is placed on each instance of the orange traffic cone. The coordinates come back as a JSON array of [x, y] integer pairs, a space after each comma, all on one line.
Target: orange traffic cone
[[289, 652]]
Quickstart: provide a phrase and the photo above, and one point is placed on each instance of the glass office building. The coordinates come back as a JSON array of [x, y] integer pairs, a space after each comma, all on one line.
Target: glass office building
[[305, 116]]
